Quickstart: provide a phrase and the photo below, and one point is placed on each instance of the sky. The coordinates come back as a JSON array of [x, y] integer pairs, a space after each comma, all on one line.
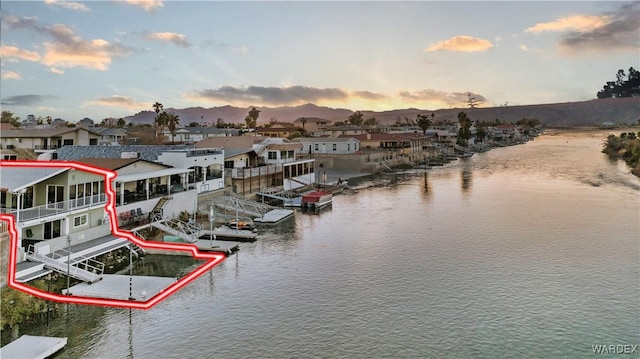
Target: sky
[[101, 59]]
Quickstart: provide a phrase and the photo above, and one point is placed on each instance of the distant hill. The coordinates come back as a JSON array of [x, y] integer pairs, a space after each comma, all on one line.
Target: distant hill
[[568, 114]]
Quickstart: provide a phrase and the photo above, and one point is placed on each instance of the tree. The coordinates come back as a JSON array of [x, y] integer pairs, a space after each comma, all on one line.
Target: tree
[[464, 133], [252, 118], [620, 87], [371, 122], [472, 102], [424, 122], [7, 117], [356, 118], [160, 119], [220, 123], [109, 122], [121, 123], [172, 121], [157, 107], [49, 120]]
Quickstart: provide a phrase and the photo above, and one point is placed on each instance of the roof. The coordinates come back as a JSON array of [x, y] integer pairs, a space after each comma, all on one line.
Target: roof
[[41, 132], [385, 136], [111, 163], [346, 138], [230, 142], [14, 179], [147, 152], [151, 174], [209, 130], [108, 131]]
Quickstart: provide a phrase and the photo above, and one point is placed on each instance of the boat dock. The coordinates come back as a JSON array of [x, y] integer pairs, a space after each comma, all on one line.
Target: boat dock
[[208, 245], [226, 233], [118, 286], [274, 216], [32, 347]]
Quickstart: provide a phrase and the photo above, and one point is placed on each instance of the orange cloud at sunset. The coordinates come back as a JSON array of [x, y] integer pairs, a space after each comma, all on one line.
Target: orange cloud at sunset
[[461, 44], [576, 23]]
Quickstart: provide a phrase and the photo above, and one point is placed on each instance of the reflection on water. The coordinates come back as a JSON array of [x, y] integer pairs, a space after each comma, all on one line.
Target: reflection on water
[[487, 257]]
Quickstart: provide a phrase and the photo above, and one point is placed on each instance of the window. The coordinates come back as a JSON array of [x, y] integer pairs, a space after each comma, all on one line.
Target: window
[[67, 142], [79, 220], [348, 147], [316, 146], [335, 146], [273, 155]]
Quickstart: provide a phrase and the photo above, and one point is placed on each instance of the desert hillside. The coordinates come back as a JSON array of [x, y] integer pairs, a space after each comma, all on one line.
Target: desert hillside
[[569, 114]]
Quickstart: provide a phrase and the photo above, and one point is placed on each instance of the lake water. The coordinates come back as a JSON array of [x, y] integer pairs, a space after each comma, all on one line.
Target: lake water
[[531, 251]]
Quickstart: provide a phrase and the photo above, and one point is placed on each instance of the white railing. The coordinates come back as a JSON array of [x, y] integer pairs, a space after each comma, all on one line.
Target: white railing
[[52, 209], [91, 270]]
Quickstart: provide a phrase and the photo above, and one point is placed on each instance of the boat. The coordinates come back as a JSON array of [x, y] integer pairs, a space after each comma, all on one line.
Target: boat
[[239, 224], [316, 199]]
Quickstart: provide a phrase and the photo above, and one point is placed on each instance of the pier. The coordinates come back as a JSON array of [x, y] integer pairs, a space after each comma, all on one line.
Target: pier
[[32, 347]]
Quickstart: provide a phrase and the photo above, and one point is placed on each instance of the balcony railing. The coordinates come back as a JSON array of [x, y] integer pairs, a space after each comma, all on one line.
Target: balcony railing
[[52, 209]]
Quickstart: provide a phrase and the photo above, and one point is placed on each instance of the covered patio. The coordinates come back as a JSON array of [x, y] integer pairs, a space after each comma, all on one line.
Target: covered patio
[[142, 186]]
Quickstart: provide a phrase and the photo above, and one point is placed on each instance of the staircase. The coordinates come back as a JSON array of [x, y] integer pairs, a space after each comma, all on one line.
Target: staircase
[[57, 261], [137, 250], [157, 210]]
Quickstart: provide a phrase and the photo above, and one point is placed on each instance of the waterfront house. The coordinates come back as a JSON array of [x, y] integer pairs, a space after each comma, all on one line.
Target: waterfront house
[[253, 163], [142, 186], [51, 204], [205, 165], [328, 145]]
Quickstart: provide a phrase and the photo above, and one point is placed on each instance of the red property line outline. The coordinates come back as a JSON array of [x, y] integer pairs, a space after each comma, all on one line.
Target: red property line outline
[[212, 259]]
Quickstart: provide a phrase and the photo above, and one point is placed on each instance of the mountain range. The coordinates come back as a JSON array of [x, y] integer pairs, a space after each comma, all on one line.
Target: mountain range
[[567, 114]]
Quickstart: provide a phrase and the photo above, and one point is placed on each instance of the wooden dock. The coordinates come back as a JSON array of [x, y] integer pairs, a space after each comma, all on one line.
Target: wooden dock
[[32, 347]]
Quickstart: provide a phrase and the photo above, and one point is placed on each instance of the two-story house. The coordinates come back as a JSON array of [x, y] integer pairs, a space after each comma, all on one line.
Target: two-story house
[[53, 204], [41, 139]]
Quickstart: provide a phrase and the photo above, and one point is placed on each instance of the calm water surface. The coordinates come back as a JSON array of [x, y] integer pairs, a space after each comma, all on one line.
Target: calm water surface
[[530, 251]]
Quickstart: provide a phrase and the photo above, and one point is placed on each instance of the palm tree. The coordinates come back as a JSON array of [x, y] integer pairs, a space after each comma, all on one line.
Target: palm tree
[[424, 122], [158, 121], [157, 107], [172, 124]]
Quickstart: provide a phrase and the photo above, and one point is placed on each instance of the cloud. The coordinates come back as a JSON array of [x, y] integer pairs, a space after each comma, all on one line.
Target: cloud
[[177, 39], [68, 5], [270, 95], [119, 101], [69, 50], [449, 98], [367, 95], [148, 5], [56, 71], [616, 30], [461, 44], [11, 75], [575, 22], [14, 53], [24, 100]]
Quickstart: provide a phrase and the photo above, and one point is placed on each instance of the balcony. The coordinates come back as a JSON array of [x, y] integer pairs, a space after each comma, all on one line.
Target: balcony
[[52, 209]]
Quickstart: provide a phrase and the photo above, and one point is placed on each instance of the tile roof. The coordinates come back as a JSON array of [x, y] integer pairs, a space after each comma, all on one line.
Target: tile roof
[[108, 163], [147, 152]]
